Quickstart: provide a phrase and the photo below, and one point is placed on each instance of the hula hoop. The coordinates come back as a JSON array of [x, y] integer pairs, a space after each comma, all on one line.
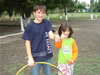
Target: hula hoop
[[38, 63]]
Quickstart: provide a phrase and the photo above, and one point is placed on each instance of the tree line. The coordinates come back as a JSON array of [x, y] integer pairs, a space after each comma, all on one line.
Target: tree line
[[25, 7]]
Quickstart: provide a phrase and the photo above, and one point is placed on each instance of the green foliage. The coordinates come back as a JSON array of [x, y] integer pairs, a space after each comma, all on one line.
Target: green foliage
[[1, 7], [25, 7], [88, 67], [77, 6], [80, 6], [64, 3], [97, 6]]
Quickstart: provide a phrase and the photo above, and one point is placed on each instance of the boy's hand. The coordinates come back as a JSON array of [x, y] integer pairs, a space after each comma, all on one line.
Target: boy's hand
[[70, 62], [31, 62], [51, 35]]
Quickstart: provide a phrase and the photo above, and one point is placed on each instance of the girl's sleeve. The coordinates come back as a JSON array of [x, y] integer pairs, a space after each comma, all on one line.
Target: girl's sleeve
[[74, 51], [58, 44]]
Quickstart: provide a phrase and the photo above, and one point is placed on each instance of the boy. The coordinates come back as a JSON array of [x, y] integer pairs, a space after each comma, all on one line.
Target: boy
[[37, 42]]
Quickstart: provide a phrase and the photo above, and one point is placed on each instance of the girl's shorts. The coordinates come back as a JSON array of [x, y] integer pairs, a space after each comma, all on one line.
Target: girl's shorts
[[66, 69]]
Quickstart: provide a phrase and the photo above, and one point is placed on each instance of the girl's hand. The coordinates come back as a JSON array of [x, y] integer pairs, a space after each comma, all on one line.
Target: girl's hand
[[70, 62], [31, 62], [63, 36], [57, 38]]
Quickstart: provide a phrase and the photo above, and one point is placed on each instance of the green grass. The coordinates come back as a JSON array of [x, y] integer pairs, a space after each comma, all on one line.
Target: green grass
[[88, 66], [83, 66], [87, 69], [73, 15], [57, 17]]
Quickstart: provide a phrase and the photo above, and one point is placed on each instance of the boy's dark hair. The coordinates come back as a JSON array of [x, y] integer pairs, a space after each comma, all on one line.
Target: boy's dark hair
[[39, 6], [63, 27]]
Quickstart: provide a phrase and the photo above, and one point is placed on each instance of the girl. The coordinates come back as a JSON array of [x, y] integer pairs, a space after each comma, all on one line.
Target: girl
[[68, 50]]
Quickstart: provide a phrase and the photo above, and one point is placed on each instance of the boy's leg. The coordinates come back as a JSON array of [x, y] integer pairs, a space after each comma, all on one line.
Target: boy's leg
[[47, 68], [36, 69]]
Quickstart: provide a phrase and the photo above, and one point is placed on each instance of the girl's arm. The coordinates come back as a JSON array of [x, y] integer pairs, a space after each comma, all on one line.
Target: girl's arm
[[58, 41], [74, 51]]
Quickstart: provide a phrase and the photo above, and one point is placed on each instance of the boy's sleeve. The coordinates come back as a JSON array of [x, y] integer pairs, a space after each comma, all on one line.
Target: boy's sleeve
[[50, 28], [74, 51], [26, 35]]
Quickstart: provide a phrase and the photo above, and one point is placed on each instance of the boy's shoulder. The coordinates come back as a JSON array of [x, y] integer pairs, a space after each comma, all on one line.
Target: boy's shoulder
[[29, 25], [45, 20]]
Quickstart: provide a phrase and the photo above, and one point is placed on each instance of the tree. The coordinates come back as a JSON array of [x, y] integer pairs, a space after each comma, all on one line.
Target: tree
[[50, 5], [91, 5], [91, 8], [2, 8], [24, 7], [9, 7], [65, 4], [79, 6], [97, 6]]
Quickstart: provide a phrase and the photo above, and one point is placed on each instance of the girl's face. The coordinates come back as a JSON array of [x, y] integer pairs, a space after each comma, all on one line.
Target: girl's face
[[66, 33], [39, 15]]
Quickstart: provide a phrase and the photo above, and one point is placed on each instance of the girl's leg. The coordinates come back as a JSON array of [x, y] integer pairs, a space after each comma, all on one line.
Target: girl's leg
[[36, 69], [62, 68], [68, 69], [47, 68], [72, 69]]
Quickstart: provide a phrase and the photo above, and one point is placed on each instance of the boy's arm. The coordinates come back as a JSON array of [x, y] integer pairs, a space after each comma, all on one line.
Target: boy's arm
[[51, 35], [75, 51], [31, 61]]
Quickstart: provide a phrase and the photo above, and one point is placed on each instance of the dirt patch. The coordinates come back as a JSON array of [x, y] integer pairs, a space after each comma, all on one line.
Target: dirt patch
[[86, 34]]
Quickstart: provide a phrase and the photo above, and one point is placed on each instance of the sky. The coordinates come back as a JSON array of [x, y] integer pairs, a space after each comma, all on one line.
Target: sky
[[87, 1]]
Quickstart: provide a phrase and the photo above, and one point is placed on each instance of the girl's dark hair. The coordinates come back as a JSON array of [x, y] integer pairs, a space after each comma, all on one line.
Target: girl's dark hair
[[63, 27], [39, 6]]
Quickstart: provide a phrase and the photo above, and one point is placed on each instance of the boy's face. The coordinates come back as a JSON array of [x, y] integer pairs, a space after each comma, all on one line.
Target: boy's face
[[39, 14]]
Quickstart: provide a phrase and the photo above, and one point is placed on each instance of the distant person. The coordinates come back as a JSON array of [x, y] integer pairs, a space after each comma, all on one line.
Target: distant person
[[68, 50], [37, 42]]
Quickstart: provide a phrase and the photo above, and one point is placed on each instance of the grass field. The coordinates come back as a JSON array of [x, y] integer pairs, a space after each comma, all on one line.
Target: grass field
[[57, 17]]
